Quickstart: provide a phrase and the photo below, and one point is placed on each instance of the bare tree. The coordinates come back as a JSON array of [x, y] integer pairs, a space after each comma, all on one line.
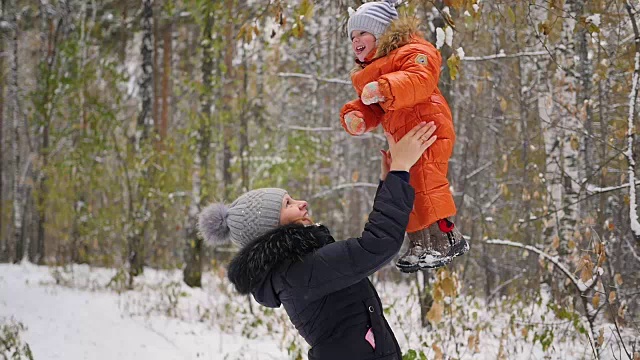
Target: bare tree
[[144, 131], [16, 115], [192, 273]]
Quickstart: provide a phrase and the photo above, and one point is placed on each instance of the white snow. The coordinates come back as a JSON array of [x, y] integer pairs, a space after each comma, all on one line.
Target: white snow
[[448, 36], [594, 19], [460, 52], [439, 38], [67, 323], [164, 319]]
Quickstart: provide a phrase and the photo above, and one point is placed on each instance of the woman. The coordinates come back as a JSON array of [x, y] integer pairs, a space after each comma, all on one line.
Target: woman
[[286, 259]]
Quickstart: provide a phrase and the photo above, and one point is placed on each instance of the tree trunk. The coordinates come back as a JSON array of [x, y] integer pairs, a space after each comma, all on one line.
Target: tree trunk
[[227, 109], [524, 132], [192, 273], [156, 68], [633, 96], [145, 126], [243, 149], [166, 80], [4, 248], [18, 199], [583, 97]]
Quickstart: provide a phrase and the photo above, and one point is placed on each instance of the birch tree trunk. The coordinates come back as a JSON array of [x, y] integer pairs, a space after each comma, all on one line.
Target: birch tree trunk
[[228, 90], [13, 93], [633, 95], [192, 273], [167, 54], [583, 95], [145, 128], [4, 248], [49, 85], [570, 161]]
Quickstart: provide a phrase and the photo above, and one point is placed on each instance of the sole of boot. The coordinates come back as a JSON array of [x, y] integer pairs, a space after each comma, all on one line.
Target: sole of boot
[[407, 269], [435, 263], [459, 249]]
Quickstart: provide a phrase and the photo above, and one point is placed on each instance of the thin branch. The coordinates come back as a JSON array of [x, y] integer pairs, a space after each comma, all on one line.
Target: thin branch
[[315, 78], [344, 186], [595, 189], [502, 55], [302, 128], [578, 283]]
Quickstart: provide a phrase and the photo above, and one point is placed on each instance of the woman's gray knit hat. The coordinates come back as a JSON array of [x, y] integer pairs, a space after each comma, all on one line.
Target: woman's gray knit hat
[[372, 17], [250, 216]]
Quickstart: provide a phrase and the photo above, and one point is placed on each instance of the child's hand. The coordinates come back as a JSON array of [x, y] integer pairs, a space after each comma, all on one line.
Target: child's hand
[[371, 94], [355, 122]]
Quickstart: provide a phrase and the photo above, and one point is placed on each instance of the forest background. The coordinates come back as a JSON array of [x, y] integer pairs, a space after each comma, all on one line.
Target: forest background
[[120, 120]]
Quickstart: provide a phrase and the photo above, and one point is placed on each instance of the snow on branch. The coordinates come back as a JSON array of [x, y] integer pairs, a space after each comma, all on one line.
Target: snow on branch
[[502, 55], [344, 186], [303, 128], [633, 94], [579, 284], [596, 189], [315, 78]]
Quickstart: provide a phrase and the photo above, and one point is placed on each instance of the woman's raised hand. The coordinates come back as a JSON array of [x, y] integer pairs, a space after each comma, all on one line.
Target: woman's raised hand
[[406, 152]]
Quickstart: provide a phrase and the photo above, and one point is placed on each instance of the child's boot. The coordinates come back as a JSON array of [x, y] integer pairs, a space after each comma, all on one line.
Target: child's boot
[[447, 240], [421, 253]]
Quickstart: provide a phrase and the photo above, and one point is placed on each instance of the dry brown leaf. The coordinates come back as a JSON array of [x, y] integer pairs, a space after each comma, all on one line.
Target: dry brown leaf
[[472, 341], [555, 244], [438, 295], [602, 258], [601, 337], [448, 287], [525, 332], [596, 300], [636, 355], [612, 297], [571, 244], [435, 313], [586, 274], [355, 176], [618, 279], [621, 310], [438, 351]]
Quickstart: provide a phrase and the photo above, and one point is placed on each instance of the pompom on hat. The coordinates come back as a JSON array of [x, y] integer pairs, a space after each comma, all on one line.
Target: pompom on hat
[[372, 17], [250, 216]]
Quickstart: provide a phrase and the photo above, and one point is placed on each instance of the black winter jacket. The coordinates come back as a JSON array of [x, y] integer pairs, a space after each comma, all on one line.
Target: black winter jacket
[[323, 284]]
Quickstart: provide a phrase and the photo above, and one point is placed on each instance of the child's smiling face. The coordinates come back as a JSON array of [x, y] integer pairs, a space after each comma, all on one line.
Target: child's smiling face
[[362, 43]]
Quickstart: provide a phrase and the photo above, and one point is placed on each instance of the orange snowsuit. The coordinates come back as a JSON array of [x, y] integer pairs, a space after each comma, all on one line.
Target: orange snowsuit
[[407, 68]]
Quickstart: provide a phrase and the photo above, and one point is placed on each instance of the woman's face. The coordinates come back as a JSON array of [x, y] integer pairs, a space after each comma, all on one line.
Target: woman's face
[[362, 43], [294, 211]]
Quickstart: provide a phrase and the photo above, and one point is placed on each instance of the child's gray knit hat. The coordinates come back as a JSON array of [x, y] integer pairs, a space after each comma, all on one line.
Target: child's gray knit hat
[[250, 216], [372, 17]]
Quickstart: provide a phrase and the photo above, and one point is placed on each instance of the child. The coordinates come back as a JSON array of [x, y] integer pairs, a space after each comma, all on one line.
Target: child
[[396, 78]]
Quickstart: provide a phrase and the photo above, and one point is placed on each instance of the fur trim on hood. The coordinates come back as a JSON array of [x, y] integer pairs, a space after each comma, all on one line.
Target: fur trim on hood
[[290, 242], [400, 32]]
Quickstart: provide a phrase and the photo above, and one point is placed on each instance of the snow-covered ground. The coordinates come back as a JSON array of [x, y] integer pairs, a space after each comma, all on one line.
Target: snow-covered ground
[[81, 312], [92, 323]]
